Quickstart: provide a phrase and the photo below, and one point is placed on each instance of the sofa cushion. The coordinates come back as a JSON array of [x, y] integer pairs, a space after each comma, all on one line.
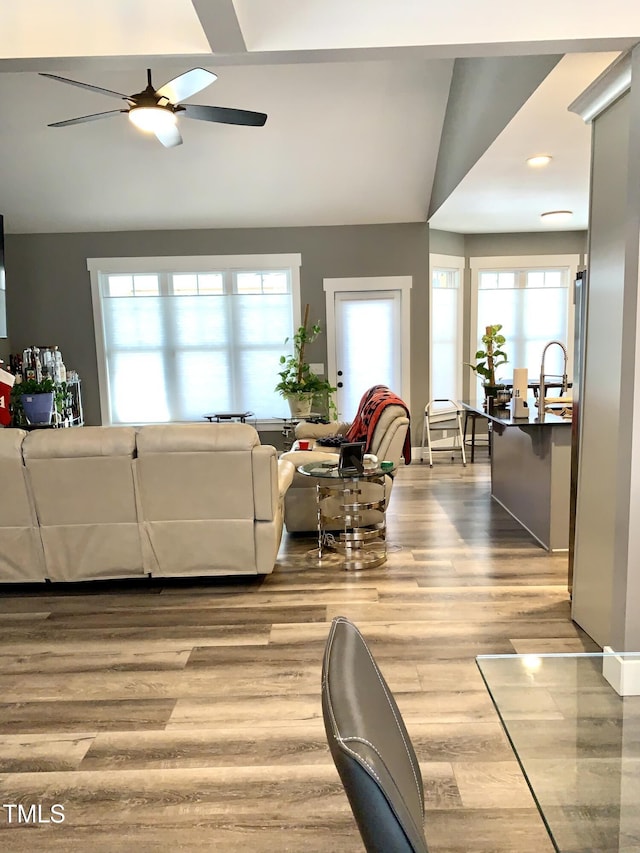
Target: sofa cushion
[[177, 486], [83, 488], [11, 444], [189, 438], [15, 507], [204, 490], [21, 557], [79, 443]]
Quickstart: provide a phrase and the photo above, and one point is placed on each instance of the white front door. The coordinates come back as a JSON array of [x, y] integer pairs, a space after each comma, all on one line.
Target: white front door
[[366, 343]]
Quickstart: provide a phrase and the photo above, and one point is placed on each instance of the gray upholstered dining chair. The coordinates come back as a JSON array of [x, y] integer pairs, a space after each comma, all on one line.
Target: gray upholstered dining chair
[[370, 746]]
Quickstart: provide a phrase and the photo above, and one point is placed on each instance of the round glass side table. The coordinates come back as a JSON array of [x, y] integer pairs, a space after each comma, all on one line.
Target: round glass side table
[[353, 505]]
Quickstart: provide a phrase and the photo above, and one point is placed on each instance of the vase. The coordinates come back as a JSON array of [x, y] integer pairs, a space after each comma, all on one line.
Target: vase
[[300, 405], [38, 408], [493, 392]]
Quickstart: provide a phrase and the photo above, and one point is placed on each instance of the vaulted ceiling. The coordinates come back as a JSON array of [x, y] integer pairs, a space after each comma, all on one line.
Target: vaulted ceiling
[[378, 111]]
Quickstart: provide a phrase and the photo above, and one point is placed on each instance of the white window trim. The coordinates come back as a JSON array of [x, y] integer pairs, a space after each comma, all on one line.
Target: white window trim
[[572, 262], [181, 263], [403, 283], [447, 262]]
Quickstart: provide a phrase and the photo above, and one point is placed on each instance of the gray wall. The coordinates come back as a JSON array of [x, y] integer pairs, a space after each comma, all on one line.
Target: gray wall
[[501, 245], [534, 243], [595, 519], [446, 243], [49, 297]]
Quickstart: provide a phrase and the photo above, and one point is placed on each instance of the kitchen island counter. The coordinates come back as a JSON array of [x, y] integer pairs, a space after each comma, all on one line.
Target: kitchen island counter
[[531, 471]]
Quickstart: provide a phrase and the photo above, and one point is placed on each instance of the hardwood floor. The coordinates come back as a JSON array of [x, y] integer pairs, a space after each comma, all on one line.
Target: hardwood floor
[[185, 715]]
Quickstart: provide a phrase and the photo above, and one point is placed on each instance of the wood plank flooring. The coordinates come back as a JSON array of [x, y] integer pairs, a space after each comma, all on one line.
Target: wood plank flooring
[[185, 715]]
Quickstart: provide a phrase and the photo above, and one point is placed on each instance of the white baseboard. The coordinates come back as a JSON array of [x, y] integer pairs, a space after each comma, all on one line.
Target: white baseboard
[[622, 673]]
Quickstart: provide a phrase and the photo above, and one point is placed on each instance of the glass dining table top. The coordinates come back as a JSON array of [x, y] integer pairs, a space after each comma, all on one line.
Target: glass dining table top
[[577, 742]]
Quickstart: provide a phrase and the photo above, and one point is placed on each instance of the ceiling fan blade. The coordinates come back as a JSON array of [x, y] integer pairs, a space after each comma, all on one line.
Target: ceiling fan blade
[[87, 86], [187, 84], [169, 136], [225, 115], [82, 119]]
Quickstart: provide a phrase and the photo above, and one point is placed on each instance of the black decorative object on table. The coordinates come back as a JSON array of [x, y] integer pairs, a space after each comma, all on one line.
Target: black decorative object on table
[[332, 440]]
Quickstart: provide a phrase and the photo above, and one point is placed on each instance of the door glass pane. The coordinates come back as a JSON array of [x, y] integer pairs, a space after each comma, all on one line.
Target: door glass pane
[[367, 346]]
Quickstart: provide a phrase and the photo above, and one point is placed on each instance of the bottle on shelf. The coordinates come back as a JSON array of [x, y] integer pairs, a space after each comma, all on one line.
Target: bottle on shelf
[[37, 364], [28, 368], [61, 370]]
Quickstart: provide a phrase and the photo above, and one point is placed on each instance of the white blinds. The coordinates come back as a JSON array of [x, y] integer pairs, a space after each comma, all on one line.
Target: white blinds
[[446, 356], [174, 357]]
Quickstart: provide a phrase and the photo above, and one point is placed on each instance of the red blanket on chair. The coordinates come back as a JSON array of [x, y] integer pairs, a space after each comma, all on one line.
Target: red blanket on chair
[[371, 407]]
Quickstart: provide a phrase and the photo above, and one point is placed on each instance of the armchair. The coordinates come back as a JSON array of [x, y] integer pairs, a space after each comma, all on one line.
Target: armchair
[[387, 441]]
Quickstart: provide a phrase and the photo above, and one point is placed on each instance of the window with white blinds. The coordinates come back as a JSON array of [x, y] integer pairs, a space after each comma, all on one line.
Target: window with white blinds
[[532, 299], [183, 336], [446, 327]]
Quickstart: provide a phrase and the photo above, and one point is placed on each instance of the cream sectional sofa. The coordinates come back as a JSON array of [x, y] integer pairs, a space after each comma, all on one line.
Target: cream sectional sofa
[[109, 502]]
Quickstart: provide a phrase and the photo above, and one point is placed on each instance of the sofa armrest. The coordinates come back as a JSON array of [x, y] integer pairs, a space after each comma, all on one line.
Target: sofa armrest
[[286, 470], [306, 429]]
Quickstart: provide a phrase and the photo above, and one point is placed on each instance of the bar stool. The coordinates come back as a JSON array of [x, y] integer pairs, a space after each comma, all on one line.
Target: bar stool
[[442, 415], [484, 441]]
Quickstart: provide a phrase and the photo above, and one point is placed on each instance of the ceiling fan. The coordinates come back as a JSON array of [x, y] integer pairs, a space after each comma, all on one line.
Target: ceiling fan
[[157, 110]]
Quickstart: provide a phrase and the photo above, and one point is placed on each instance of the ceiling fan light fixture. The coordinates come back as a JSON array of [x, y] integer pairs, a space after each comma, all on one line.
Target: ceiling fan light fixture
[[155, 110], [152, 119], [553, 217], [539, 160]]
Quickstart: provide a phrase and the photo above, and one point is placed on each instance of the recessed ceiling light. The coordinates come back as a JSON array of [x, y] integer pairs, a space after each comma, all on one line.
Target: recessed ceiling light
[[539, 160], [554, 216]]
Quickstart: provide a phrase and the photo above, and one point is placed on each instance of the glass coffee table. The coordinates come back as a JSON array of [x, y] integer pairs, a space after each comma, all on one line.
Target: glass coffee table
[[577, 742], [353, 505]]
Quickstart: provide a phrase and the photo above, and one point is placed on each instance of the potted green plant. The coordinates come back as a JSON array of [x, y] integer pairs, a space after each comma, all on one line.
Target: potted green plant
[[490, 358], [298, 384], [36, 399]]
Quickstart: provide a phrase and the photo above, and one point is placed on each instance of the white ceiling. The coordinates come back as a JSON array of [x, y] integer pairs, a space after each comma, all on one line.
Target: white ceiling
[[502, 190], [355, 91]]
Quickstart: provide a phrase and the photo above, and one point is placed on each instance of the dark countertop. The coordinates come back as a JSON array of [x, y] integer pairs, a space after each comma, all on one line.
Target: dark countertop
[[505, 418], [534, 384]]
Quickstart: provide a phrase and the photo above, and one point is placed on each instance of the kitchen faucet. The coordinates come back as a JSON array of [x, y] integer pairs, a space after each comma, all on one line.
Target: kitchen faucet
[[542, 390]]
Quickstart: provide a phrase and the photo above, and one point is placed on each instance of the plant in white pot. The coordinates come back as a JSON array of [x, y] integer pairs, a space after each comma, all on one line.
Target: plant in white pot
[[298, 384]]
